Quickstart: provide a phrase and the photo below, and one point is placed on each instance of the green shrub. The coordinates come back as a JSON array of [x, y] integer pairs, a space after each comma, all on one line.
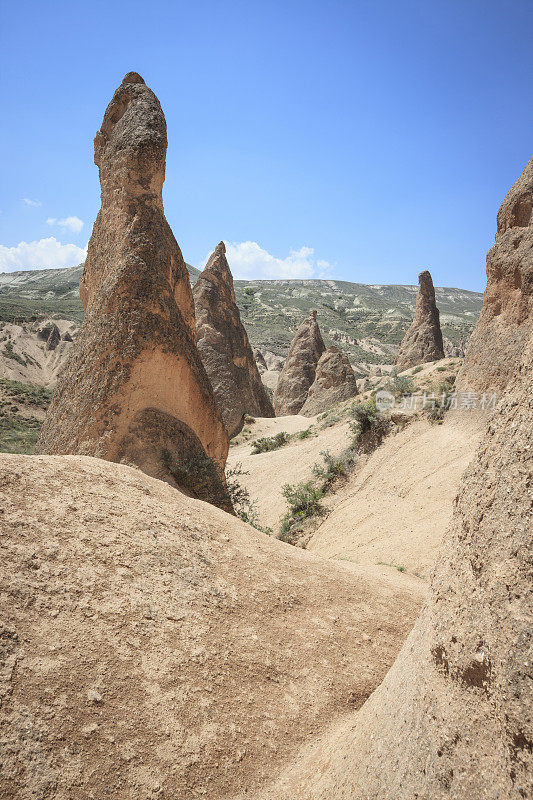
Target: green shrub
[[442, 369], [304, 503], [26, 392], [305, 434], [399, 385], [417, 370], [368, 428], [266, 443], [334, 467], [18, 434]]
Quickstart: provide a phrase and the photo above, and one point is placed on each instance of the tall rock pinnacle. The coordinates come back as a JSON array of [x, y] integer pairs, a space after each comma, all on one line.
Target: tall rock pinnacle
[[134, 388], [423, 340], [224, 347], [506, 321], [299, 369]]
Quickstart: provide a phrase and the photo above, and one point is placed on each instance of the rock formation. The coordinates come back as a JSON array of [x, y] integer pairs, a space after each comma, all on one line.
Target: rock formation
[[53, 339], [299, 369], [224, 347], [506, 319], [134, 388], [423, 340], [259, 359], [334, 382]]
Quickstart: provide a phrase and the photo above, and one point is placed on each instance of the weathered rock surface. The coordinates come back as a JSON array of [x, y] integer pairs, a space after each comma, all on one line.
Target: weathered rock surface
[[274, 363], [134, 388], [423, 340], [506, 319], [54, 338], [334, 382], [259, 360], [154, 647], [299, 369], [453, 717], [224, 347]]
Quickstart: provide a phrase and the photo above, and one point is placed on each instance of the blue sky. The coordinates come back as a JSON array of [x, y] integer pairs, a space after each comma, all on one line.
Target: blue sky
[[359, 140]]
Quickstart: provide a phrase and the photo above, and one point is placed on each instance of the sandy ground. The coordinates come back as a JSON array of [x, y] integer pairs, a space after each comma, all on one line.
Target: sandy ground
[[292, 463], [155, 646], [398, 506]]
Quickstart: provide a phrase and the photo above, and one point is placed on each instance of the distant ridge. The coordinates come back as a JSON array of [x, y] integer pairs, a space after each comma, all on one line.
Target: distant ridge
[[365, 321]]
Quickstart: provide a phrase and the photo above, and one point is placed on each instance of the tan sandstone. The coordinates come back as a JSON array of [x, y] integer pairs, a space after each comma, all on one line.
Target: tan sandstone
[[224, 347], [299, 370], [423, 340], [134, 388]]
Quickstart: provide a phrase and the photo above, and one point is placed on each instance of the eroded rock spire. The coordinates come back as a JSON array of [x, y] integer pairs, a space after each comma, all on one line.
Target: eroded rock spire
[[224, 347], [134, 388], [423, 340], [299, 369]]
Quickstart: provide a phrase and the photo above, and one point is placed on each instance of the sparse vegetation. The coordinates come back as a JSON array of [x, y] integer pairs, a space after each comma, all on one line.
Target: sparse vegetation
[[26, 393], [267, 443], [416, 370], [304, 503], [399, 385], [391, 563], [305, 434], [333, 468], [240, 498], [199, 474], [18, 434]]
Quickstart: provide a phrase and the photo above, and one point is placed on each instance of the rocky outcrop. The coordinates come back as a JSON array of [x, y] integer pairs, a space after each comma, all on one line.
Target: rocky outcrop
[[224, 347], [453, 349], [54, 338], [259, 360], [134, 388], [334, 382], [299, 369], [423, 340], [274, 363], [506, 319]]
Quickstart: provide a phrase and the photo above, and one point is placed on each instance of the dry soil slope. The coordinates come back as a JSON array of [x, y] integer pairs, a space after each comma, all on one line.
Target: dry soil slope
[[398, 506], [155, 646], [266, 473]]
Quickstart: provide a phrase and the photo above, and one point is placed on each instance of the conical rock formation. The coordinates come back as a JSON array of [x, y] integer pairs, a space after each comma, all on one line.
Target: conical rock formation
[[423, 340], [299, 369], [134, 388], [224, 347], [334, 382], [506, 319]]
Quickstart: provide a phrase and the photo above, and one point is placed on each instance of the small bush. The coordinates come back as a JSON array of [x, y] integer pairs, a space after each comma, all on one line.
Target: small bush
[[305, 434], [266, 443], [368, 428], [399, 385], [240, 498], [442, 369], [417, 370], [304, 503], [334, 468]]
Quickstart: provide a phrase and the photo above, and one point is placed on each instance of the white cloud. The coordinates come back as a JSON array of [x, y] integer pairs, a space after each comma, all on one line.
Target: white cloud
[[73, 224], [33, 203], [44, 254], [248, 260]]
